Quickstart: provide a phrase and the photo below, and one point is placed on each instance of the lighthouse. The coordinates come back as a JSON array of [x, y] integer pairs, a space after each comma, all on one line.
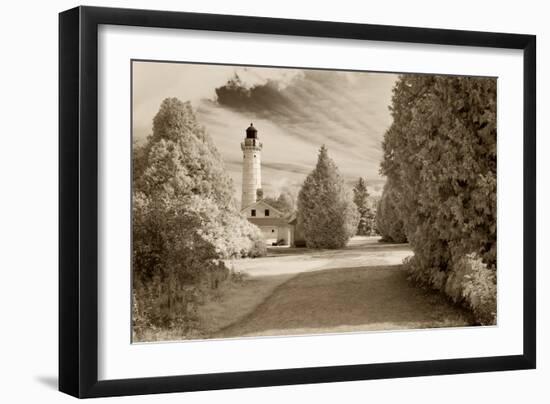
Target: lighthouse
[[252, 166], [277, 227]]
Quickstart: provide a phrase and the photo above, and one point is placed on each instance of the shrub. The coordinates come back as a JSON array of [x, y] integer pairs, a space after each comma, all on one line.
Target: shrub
[[468, 282], [424, 275], [259, 249], [154, 309], [473, 284]]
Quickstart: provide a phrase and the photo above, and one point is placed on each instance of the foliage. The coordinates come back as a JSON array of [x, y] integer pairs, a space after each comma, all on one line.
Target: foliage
[[367, 222], [468, 281], [472, 283], [325, 206], [388, 223], [440, 160], [285, 202], [185, 220], [258, 248]]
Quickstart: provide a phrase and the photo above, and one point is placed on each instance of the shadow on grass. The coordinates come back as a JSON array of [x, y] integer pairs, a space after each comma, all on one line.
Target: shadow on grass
[[349, 299]]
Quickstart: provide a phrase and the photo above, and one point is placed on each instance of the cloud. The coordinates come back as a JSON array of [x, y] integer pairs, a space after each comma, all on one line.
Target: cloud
[[294, 110], [253, 76], [288, 167], [343, 109]]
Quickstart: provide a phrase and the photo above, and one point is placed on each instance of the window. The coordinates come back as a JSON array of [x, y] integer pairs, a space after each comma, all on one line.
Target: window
[[253, 212], [266, 212]]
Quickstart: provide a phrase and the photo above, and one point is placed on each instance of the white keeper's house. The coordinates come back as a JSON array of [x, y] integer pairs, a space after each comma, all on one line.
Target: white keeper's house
[[275, 225]]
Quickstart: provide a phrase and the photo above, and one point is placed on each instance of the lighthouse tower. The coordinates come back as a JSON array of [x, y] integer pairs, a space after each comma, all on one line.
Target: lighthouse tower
[[252, 166]]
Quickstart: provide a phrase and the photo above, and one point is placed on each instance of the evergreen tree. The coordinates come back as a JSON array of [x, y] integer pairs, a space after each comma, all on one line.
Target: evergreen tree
[[365, 227], [325, 206], [440, 158]]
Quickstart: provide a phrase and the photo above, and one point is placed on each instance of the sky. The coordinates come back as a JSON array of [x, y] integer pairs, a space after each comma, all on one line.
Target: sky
[[295, 111]]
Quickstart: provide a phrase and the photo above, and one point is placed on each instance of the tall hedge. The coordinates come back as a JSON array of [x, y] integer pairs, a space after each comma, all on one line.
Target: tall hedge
[[185, 219], [325, 206], [440, 158], [388, 219]]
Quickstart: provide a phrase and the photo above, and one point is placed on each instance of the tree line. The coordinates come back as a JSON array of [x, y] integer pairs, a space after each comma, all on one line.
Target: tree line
[[440, 160]]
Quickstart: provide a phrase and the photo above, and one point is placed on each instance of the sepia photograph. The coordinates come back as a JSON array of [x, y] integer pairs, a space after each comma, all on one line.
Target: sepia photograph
[[284, 201]]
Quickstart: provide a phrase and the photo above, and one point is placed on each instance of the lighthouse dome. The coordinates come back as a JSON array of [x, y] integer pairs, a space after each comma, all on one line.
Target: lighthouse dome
[[251, 132]]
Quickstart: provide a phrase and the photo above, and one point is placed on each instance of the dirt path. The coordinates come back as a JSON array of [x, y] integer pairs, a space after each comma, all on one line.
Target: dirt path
[[360, 252], [347, 299]]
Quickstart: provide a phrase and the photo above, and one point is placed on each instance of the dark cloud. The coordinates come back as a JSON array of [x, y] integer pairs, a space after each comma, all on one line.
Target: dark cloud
[[263, 100]]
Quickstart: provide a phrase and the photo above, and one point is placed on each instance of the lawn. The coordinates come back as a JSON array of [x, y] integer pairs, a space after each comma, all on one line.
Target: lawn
[[344, 300], [236, 301], [362, 287]]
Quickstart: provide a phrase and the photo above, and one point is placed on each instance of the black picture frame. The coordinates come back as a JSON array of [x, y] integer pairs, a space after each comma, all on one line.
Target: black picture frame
[[78, 201]]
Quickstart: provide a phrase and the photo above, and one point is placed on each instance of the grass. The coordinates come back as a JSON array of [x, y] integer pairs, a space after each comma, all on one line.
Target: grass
[[230, 303], [361, 287], [350, 299], [325, 301], [236, 301]]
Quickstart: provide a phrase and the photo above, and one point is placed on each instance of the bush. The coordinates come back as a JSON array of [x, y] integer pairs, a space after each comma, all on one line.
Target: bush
[[424, 275], [475, 285], [259, 249], [154, 309], [468, 282]]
